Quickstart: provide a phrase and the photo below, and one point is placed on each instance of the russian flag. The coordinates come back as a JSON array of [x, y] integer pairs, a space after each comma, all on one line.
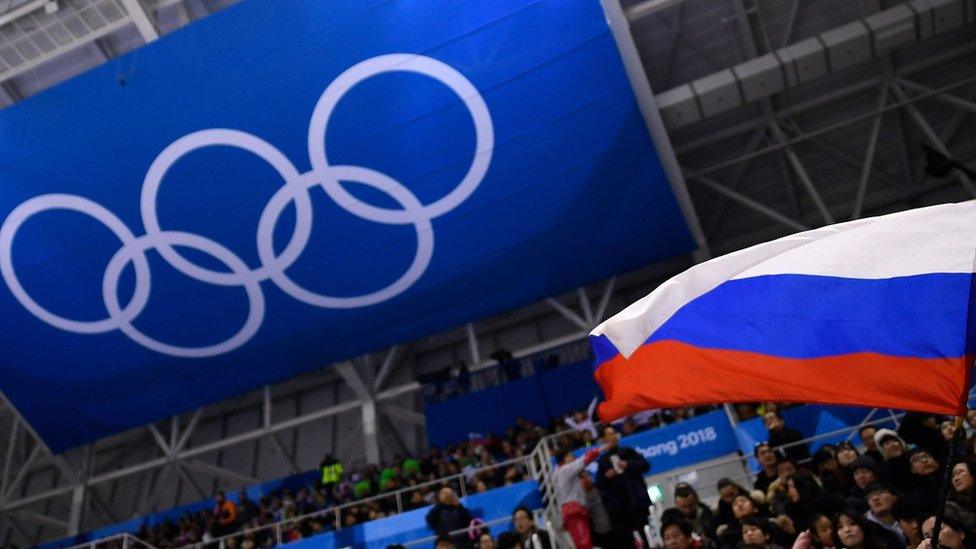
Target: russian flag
[[875, 312]]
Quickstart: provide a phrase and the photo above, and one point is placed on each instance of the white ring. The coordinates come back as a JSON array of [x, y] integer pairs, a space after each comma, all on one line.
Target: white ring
[[411, 205], [42, 203], [445, 74], [237, 266], [230, 138]]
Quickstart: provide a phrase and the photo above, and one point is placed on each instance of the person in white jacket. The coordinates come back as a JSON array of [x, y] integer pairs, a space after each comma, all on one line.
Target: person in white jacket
[[571, 495], [581, 423]]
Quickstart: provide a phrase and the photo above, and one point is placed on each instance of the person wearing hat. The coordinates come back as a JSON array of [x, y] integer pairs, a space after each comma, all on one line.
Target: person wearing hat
[[894, 450], [881, 501], [864, 471]]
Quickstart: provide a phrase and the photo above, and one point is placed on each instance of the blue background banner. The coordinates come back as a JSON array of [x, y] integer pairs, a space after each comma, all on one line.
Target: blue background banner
[[291, 183], [688, 442], [540, 397]]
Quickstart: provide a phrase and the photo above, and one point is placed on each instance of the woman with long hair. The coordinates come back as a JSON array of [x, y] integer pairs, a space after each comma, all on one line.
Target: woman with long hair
[[728, 489], [807, 498], [853, 531], [819, 533]]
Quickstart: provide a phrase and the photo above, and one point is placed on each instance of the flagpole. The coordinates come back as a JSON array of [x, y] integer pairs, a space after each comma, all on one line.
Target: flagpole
[[946, 479]]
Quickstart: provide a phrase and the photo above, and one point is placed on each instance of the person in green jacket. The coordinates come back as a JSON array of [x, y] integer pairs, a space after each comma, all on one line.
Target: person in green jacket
[[331, 471]]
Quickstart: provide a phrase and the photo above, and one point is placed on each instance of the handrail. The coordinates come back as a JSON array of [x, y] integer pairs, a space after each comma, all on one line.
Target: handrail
[[126, 537], [337, 509], [744, 459], [485, 524]]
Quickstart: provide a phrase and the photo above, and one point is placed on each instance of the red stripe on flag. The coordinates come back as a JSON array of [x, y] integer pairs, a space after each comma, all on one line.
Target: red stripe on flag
[[667, 374]]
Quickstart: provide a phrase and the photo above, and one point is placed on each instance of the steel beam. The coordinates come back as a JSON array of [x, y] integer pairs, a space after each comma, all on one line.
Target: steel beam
[[825, 129], [862, 185], [601, 308], [404, 414], [750, 203], [389, 361], [930, 135], [219, 472], [569, 314], [143, 20], [946, 98]]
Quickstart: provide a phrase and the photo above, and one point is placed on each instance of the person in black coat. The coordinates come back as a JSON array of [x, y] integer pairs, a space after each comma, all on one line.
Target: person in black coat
[[780, 435], [620, 479], [448, 515]]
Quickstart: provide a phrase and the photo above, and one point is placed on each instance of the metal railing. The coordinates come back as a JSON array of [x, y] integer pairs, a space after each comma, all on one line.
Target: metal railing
[[749, 476], [123, 541], [335, 513]]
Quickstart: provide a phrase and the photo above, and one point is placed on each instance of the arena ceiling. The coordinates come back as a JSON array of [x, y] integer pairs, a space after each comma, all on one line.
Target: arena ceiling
[[842, 146]]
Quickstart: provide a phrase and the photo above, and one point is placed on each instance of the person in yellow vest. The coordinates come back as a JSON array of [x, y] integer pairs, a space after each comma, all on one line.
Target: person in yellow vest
[[331, 472]]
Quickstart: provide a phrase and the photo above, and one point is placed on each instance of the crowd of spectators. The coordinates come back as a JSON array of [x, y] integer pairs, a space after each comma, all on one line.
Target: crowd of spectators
[[354, 495], [881, 494]]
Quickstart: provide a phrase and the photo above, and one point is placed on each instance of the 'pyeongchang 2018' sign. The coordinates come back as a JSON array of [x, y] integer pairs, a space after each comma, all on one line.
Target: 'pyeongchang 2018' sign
[[705, 437]]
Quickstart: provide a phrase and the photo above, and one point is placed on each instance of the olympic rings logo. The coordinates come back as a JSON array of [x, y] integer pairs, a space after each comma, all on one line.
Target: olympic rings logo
[[294, 190]]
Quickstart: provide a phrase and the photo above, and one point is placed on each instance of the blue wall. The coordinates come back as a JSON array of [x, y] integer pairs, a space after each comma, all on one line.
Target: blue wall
[[538, 398], [411, 525]]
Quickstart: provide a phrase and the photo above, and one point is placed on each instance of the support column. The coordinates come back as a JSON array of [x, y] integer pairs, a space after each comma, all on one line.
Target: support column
[[361, 381], [77, 509]]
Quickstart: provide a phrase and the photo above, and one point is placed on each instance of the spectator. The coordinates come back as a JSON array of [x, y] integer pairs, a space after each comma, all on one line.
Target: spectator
[[870, 445], [781, 435], [756, 533], [509, 540], [846, 454], [584, 422], [923, 430], [485, 541], [600, 526], [620, 475], [963, 490], [571, 497], [819, 533], [952, 535], [728, 490], [677, 534], [864, 471], [444, 541], [831, 475], [807, 499], [925, 483], [247, 510], [777, 497], [893, 449], [449, 516], [767, 459], [852, 531], [906, 512], [224, 515], [881, 500], [743, 507], [693, 511], [530, 535], [331, 471]]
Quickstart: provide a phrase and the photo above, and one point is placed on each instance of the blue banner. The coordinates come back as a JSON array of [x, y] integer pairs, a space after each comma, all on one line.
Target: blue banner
[[290, 183], [682, 444]]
